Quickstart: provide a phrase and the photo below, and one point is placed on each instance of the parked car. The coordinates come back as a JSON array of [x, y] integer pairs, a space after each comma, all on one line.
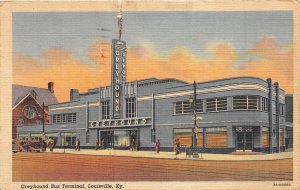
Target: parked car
[[17, 146], [35, 146]]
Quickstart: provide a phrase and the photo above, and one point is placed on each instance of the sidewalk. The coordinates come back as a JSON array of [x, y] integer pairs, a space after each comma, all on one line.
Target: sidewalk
[[171, 155]]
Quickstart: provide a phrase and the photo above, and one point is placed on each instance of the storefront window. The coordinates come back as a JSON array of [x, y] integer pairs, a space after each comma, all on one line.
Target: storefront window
[[23, 136], [121, 138], [35, 136], [68, 139], [216, 137]]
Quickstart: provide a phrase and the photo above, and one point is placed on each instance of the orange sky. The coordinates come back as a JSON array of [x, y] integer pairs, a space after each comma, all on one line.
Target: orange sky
[[66, 71]]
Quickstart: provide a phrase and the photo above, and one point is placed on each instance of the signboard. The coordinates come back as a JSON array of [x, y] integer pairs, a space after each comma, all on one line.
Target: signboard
[[118, 75], [120, 122]]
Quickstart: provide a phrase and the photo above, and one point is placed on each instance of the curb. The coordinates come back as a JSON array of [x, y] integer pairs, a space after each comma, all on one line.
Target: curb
[[194, 159]]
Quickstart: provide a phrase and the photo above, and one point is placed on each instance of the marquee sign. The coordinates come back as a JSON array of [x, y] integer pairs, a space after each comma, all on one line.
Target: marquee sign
[[118, 75], [120, 122]]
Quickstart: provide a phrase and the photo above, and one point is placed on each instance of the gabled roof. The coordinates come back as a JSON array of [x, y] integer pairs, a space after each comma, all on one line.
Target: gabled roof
[[19, 92]]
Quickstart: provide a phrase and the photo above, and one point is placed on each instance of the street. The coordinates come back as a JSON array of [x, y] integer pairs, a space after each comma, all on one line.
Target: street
[[76, 167]]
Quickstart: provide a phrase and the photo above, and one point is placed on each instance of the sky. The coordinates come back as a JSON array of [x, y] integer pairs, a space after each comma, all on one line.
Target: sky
[[72, 49]]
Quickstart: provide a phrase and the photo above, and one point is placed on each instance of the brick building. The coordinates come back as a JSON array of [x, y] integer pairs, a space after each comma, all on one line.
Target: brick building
[[27, 105]]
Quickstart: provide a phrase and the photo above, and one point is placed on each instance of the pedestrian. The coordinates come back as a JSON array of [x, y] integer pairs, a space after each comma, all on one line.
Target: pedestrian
[[157, 146], [27, 145], [41, 143], [103, 144], [44, 145], [133, 145], [286, 143], [51, 145], [77, 145], [97, 144], [177, 146], [138, 145]]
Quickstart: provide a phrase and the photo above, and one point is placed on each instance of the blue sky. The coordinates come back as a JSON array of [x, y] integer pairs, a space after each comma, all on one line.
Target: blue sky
[[35, 32]]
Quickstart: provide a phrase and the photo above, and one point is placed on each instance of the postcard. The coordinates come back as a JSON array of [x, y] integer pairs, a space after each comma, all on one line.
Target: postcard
[[149, 95]]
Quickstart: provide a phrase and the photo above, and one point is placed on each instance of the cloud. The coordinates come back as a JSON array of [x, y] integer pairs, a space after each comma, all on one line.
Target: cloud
[[276, 61], [145, 61], [59, 66]]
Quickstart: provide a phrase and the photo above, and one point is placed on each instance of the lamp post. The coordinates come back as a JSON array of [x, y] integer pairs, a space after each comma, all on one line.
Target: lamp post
[[43, 118], [192, 101]]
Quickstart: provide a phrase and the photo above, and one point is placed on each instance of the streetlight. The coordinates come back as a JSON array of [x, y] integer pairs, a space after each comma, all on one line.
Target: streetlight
[[192, 101], [43, 118]]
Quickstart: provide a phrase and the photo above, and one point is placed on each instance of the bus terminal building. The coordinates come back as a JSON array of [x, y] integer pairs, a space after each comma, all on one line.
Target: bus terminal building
[[242, 113]]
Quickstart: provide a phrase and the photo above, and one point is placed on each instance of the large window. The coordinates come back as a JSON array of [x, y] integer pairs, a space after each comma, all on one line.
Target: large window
[[130, 108], [216, 104], [105, 110], [64, 118], [264, 106], [68, 139], [185, 107], [216, 137], [245, 102]]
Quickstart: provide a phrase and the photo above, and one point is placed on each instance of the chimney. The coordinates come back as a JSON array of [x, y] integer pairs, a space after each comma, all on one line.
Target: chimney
[[51, 87], [74, 95]]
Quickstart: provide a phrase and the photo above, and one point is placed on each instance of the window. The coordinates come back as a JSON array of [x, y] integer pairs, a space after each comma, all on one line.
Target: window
[[245, 102], [107, 92], [183, 107], [102, 93], [281, 109], [216, 104], [130, 108], [253, 102], [105, 110], [71, 117], [64, 118], [186, 108], [264, 104], [130, 89], [68, 139], [216, 137], [199, 106], [56, 118]]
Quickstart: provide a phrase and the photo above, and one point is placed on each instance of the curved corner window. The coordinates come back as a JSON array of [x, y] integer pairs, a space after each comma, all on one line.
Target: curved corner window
[[245, 102]]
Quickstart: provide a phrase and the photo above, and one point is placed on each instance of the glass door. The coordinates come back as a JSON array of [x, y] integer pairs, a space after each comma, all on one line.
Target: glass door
[[244, 141], [248, 141], [240, 141]]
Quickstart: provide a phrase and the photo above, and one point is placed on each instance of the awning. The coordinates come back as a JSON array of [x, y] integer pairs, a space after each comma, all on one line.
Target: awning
[[51, 134], [68, 134], [23, 135], [35, 135]]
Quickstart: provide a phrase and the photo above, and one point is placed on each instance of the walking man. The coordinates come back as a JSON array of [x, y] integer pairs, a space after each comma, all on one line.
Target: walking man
[[97, 144], [77, 145]]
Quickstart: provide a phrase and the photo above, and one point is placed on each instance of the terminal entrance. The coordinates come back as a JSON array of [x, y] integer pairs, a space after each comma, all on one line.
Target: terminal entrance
[[106, 139], [244, 138], [120, 139], [244, 141]]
